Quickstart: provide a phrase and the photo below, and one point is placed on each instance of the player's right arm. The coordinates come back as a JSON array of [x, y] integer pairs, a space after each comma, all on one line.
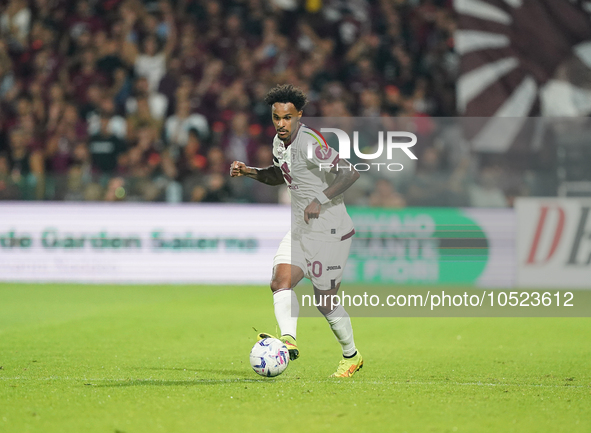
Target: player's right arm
[[271, 175]]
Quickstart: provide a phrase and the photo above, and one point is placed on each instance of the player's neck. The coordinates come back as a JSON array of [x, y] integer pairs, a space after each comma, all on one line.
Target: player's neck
[[287, 142]]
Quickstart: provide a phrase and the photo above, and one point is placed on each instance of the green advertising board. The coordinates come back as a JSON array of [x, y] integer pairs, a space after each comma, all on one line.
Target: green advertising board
[[416, 246]]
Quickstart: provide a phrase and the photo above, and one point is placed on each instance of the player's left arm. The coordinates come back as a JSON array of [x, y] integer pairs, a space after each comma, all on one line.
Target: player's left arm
[[346, 175]]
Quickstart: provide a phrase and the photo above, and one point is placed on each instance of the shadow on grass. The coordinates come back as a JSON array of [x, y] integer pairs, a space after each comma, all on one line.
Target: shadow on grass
[[203, 376], [242, 373], [162, 382]]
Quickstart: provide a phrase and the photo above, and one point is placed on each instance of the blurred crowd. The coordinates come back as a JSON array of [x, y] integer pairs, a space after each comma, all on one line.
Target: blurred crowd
[[145, 100]]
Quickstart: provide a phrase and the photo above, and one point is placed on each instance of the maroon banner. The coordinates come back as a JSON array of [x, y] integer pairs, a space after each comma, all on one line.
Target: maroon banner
[[523, 58]]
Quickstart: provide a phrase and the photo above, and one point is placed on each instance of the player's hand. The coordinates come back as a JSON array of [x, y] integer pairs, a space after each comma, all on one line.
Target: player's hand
[[312, 211], [238, 169]]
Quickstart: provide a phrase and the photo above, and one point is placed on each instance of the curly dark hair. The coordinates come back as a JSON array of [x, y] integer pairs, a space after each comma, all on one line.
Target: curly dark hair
[[287, 93]]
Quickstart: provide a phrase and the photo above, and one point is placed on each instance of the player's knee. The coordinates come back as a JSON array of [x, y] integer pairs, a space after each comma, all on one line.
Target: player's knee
[[279, 283], [323, 303]]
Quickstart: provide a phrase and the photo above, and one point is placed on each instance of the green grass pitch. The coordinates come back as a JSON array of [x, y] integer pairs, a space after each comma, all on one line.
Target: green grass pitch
[[136, 359]]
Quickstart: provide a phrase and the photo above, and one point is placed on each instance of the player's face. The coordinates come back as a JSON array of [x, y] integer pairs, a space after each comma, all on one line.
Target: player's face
[[285, 119]]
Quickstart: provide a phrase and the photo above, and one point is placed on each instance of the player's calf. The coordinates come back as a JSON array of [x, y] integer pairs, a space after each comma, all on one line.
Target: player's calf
[[326, 300], [285, 303]]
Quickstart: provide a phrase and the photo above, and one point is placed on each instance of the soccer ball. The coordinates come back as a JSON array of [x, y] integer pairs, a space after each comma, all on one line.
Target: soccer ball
[[269, 357]]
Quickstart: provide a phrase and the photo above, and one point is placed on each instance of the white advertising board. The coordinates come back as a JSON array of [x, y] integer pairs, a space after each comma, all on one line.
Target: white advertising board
[[554, 242], [139, 243], [159, 243]]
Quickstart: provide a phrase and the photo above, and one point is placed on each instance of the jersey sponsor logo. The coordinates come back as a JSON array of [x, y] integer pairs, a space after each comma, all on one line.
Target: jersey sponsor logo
[[293, 187], [333, 268]]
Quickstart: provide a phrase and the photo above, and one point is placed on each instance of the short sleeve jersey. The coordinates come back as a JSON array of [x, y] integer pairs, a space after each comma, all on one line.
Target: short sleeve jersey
[[305, 165]]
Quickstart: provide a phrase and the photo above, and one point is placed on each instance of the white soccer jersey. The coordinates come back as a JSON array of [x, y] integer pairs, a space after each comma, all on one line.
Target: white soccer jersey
[[306, 180]]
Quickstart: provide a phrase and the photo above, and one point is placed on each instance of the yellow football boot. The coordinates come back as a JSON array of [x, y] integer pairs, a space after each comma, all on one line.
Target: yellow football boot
[[349, 366], [288, 340]]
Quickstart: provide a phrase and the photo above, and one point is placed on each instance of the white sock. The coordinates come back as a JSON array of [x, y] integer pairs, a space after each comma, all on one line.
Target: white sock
[[340, 323], [287, 309]]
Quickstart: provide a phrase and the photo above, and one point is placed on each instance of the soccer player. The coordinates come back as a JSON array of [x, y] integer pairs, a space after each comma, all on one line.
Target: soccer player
[[318, 244]]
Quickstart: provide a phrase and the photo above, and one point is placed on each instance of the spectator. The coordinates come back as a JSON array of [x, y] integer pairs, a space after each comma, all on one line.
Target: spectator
[[84, 20], [94, 96], [80, 174], [386, 196], [121, 63], [15, 24], [25, 164], [486, 192], [191, 163], [177, 127], [108, 59], [370, 103], [141, 117], [216, 161], [8, 87], [157, 101], [106, 149], [151, 62], [8, 187], [170, 82], [24, 109], [60, 145], [85, 76], [117, 124], [38, 101], [144, 157], [121, 89], [238, 145], [214, 190]]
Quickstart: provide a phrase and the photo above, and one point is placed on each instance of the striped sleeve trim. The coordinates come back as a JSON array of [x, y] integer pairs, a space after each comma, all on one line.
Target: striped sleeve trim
[[348, 235]]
